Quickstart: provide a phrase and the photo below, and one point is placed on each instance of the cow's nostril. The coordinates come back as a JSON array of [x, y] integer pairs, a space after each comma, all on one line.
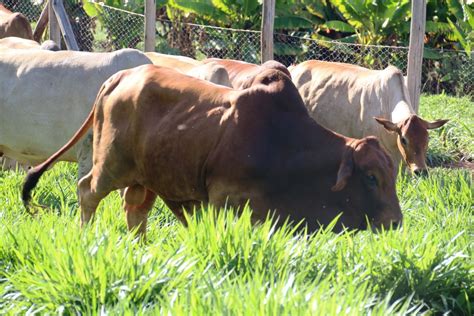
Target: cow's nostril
[[396, 224]]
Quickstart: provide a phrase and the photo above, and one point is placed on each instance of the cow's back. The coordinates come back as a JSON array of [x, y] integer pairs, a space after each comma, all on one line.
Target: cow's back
[[211, 72], [13, 42], [239, 72], [45, 96], [341, 97], [180, 63]]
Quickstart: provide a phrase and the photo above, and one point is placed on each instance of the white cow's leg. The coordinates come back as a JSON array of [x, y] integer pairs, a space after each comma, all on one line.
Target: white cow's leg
[[90, 191], [396, 156], [10, 164], [84, 156], [398, 162]]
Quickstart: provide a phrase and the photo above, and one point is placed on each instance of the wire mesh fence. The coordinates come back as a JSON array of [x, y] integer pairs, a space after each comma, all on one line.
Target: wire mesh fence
[[443, 71], [30, 9]]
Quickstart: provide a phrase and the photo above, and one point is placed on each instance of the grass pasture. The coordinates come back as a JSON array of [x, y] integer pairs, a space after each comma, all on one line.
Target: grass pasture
[[48, 265]]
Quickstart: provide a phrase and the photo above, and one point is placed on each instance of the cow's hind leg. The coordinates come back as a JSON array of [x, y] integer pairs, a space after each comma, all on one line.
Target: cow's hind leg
[[138, 201], [91, 192]]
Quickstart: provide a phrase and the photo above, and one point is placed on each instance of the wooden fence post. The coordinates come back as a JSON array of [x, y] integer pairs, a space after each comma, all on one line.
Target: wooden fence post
[[41, 24], [64, 25], [54, 31], [266, 39], [150, 23], [415, 52]]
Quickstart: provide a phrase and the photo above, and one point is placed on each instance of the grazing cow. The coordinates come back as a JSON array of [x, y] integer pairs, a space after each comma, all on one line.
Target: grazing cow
[[14, 24], [242, 73], [160, 132], [45, 96], [13, 42], [211, 71], [346, 98]]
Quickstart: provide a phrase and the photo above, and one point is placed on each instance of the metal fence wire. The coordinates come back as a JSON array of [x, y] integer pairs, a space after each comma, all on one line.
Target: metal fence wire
[[446, 71]]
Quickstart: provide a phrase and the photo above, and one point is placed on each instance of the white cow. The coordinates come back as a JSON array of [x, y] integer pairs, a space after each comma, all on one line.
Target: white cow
[[181, 63], [212, 71], [13, 42], [45, 96], [346, 98]]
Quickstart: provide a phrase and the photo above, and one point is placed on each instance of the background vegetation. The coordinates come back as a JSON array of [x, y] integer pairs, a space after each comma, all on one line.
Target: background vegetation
[[226, 266], [450, 23], [354, 31], [448, 63]]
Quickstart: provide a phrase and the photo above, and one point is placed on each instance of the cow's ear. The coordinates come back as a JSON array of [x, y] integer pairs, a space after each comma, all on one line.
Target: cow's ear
[[346, 169], [388, 125], [435, 124]]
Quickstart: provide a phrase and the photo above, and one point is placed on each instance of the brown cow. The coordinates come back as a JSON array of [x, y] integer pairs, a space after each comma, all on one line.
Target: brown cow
[[242, 73], [14, 24], [160, 132]]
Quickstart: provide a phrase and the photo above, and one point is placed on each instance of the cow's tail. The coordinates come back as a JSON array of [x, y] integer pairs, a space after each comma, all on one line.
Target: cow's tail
[[35, 173]]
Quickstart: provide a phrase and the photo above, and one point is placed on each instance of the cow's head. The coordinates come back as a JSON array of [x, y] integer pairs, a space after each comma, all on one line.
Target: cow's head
[[366, 182], [412, 139]]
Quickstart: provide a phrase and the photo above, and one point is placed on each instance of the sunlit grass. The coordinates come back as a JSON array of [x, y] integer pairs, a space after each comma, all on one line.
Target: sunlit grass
[[455, 140]]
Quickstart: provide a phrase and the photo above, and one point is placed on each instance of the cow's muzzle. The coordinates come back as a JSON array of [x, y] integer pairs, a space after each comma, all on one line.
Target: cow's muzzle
[[393, 220]]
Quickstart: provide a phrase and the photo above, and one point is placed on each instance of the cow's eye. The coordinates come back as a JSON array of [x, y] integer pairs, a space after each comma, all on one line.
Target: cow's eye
[[404, 141], [372, 180]]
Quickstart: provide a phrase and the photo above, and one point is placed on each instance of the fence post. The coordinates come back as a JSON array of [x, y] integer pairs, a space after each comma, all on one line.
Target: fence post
[[41, 24], [150, 24], [266, 39], [54, 31], [415, 52], [64, 25]]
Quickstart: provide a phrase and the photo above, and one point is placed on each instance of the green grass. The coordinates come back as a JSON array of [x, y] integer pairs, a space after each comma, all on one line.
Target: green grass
[[455, 141], [226, 266]]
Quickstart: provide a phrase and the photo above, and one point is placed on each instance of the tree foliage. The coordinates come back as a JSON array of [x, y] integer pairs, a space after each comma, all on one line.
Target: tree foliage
[[449, 22]]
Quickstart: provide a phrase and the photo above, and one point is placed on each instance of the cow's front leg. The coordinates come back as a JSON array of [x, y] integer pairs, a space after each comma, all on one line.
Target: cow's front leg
[[92, 189], [88, 199]]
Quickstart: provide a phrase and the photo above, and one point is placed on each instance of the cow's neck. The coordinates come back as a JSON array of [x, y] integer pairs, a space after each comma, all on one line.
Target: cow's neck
[[394, 96], [401, 108], [321, 150]]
